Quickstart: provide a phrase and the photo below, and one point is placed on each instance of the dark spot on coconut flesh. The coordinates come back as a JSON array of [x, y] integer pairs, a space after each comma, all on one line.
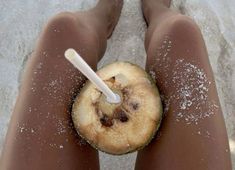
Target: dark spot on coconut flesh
[[106, 121], [125, 91], [112, 79], [134, 105], [121, 115]]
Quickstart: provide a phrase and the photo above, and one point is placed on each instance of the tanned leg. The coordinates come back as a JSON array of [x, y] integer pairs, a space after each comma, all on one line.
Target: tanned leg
[[41, 133], [193, 134]]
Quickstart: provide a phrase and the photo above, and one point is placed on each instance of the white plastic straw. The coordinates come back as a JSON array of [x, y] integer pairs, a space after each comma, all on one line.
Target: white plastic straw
[[79, 63]]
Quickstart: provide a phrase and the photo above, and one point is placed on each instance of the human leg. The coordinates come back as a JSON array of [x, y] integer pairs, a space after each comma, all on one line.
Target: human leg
[[41, 134], [192, 134]]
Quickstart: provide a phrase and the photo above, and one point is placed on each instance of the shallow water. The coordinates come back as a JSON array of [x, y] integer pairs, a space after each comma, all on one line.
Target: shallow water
[[22, 21]]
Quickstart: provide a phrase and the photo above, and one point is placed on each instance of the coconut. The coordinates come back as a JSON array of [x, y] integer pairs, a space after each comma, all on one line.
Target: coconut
[[123, 127]]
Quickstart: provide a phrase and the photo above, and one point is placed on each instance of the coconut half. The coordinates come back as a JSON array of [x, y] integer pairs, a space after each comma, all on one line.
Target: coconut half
[[123, 127]]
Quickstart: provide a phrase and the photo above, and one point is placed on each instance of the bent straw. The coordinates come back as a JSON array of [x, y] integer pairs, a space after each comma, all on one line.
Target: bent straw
[[80, 64]]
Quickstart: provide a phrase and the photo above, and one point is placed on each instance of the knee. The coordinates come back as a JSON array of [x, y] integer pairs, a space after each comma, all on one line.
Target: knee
[[63, 19], [178, 27], [182, 25], [181, 30]]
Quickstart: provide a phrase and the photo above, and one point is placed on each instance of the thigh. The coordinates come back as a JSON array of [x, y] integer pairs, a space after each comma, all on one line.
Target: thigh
[[41, 133], [193, 133]]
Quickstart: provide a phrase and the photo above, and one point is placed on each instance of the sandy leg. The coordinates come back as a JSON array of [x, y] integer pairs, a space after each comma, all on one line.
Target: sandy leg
[[192, 134], [41, 133]]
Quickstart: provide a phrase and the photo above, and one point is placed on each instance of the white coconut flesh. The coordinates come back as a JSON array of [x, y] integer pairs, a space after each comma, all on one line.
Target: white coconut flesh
[[123, 127]]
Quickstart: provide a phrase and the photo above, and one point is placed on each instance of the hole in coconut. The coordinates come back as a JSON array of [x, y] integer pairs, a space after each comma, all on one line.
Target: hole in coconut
[[106, 121]]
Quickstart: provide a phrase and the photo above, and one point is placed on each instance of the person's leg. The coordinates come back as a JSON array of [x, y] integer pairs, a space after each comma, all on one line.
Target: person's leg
[[41, 134], [192, 134]]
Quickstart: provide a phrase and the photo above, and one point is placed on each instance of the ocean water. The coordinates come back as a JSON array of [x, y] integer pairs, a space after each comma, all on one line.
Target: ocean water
[[22, 21]]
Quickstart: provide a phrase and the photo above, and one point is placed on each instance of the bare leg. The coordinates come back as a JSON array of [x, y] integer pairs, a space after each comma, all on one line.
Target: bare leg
[[192, 134], [41, 134]]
